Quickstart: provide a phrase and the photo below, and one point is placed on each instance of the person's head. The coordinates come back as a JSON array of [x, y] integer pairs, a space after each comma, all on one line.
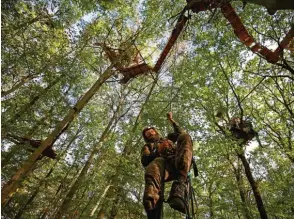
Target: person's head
[[150, 134], [235, 121]]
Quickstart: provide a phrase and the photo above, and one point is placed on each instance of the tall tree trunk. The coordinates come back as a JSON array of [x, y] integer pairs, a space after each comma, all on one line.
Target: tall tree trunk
[[65, 205], [18, 85], [254, 186], [92, 199], [22, 210], [29, 134], [114, 208], [99, 201], [210, 201], [47, 114], [58, 194], [242, 192], [10, 187]]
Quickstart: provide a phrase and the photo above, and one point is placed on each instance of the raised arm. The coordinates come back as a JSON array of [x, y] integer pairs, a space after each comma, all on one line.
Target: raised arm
[[177, 128]]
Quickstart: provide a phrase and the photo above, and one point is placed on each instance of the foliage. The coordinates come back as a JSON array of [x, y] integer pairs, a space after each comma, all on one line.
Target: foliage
[[52, 55]]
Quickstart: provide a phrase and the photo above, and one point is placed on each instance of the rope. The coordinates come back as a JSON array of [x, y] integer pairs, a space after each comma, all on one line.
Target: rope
[[252, 89], [171, 94], [191, 197], [160, 213]]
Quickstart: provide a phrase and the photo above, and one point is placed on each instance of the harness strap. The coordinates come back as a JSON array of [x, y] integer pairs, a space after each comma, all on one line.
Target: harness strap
[[194, 167]]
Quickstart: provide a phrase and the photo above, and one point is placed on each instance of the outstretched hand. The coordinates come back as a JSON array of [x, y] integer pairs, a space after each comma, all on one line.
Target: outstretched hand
[[170, 116]]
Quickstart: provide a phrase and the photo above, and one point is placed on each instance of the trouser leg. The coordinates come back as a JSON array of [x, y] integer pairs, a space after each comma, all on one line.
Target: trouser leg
[[154, 176], [184, 156], [178, 192]]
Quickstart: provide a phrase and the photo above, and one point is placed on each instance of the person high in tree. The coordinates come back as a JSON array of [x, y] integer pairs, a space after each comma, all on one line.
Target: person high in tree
[[166, 159]]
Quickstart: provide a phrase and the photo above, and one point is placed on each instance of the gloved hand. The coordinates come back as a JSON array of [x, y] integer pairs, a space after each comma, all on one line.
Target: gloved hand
[[164, 146], [170, 116]]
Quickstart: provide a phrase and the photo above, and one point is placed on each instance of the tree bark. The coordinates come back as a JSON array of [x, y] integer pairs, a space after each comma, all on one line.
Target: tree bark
[[242, 195], [10, 187], [22, 210], [99, 201], [254, 186], [58, 194], [242, 192], [29, 134]]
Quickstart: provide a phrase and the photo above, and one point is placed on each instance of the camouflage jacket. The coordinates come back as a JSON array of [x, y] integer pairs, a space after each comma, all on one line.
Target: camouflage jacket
[[149, 151]]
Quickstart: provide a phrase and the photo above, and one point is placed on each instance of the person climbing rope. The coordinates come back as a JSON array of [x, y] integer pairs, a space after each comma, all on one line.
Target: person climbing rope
[[166, 159], [242, 129]]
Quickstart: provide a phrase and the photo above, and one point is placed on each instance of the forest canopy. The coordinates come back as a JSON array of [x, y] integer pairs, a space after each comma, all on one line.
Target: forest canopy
[[74, 104]]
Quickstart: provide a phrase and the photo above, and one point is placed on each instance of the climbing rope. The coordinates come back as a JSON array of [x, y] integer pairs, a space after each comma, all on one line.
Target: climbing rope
[[190, 199]]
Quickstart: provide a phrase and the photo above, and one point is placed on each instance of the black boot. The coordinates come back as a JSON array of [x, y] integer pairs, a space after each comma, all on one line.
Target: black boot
[[153, 214], [177, 196]]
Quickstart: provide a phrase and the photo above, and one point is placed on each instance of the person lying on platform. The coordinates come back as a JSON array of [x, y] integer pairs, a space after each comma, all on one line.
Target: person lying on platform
[[166, 159]]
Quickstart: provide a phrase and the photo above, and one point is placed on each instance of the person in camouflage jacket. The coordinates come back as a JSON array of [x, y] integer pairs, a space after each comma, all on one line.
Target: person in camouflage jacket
[[166, 159]]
